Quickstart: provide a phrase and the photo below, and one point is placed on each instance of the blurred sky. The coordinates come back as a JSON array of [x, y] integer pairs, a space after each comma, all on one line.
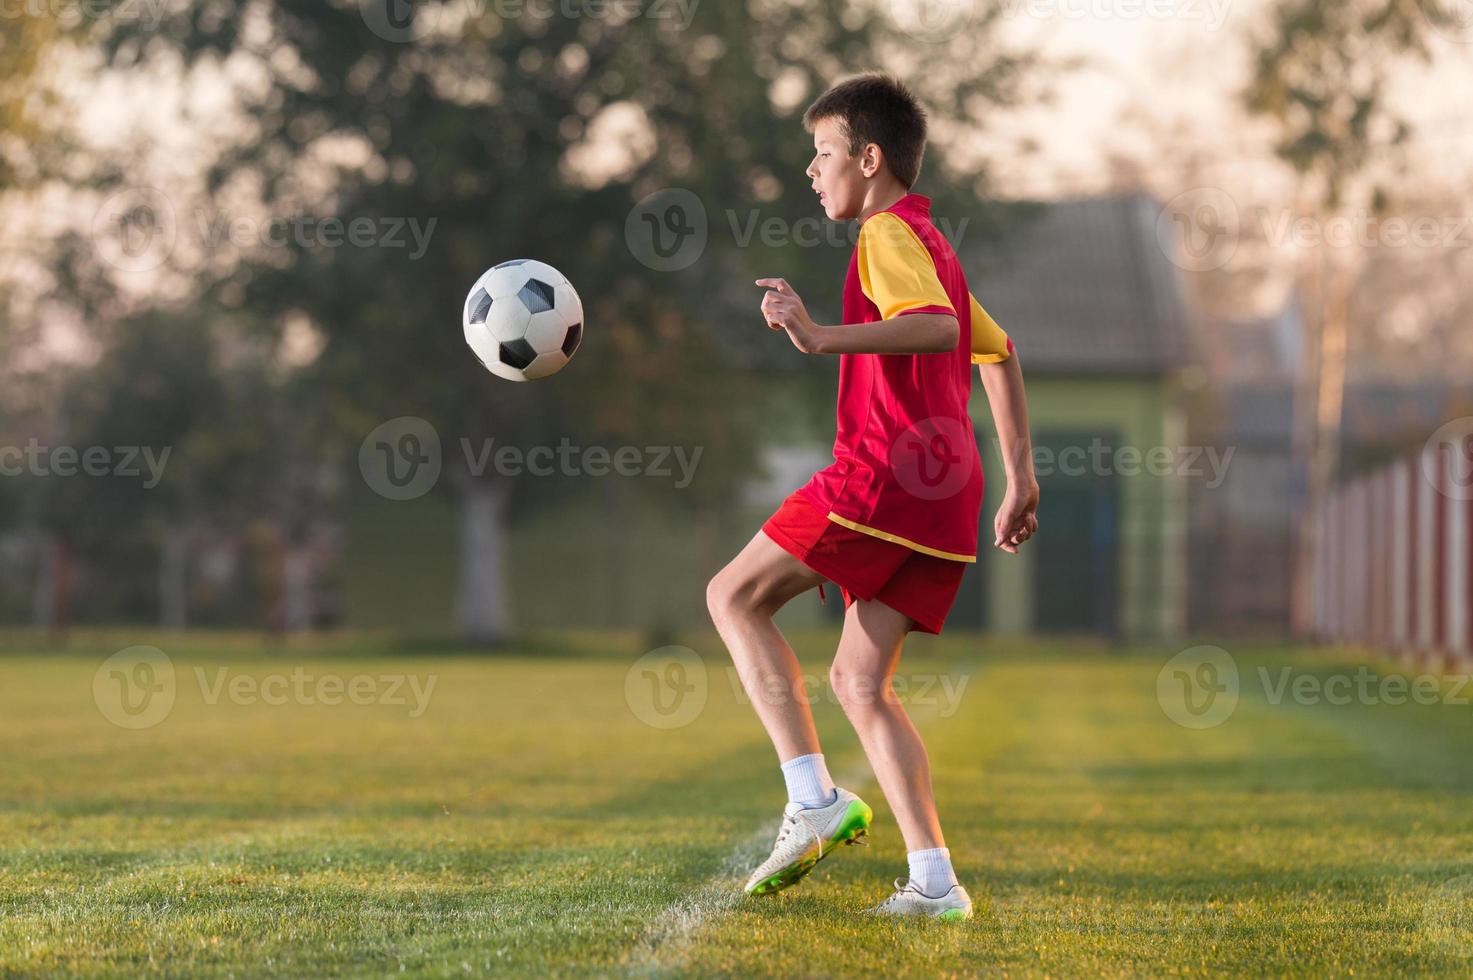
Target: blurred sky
[[1184, 72], [1160, 90]]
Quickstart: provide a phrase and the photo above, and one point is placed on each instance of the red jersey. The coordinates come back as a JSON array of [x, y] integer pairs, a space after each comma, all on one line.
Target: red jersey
[[906, 467]]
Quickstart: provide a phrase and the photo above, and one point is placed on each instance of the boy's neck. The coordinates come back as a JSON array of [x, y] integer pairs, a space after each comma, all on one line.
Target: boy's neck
[[882, 196]]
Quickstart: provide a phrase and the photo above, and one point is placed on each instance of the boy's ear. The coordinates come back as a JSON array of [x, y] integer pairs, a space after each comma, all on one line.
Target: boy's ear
[[870, 159]]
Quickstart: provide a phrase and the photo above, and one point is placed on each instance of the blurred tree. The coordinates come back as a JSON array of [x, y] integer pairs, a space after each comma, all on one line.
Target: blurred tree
[[1320, 73], [217, 445], [534, 134], [23, 43]]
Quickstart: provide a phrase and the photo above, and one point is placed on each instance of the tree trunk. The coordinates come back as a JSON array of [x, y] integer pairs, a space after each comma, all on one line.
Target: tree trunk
[[44, 590], [297, 587], [1324, 457], [269, 551], [482, 606], [174, 579], [617, 613], [51, 603]]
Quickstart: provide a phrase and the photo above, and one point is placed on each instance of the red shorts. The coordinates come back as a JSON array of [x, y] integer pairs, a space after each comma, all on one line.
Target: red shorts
[[921, 586]]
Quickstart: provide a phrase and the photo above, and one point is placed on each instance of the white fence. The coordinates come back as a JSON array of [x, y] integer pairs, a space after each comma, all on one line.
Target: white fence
[[1394, 566]]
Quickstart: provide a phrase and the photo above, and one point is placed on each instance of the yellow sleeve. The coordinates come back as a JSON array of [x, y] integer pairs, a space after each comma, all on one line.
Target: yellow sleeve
[[895, 270], [990, 345]]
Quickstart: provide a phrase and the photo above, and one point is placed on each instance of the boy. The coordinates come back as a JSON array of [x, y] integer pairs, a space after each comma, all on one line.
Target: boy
[[894, 520]]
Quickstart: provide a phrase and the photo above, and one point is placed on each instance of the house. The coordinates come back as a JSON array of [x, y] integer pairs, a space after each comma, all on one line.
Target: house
[[1109, 347], [1245, 528]]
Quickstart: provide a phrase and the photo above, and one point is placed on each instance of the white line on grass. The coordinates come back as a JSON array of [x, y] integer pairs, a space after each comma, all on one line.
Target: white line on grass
[[674, 927]]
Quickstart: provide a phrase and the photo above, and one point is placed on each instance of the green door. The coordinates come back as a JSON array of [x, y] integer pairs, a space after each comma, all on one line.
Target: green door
[[1076, 553]]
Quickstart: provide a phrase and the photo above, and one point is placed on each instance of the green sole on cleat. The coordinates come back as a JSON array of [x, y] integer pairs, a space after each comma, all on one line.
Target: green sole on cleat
[[953, 915], [853, 826]]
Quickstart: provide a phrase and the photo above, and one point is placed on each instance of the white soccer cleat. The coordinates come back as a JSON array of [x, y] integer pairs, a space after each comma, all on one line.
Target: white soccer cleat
[[908, 900], [807, 836]]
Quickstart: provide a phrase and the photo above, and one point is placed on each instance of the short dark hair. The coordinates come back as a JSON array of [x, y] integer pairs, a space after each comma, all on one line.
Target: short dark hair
[[876, 108]]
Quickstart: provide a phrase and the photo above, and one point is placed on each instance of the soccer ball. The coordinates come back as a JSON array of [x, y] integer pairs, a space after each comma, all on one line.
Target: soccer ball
[[523, 320]]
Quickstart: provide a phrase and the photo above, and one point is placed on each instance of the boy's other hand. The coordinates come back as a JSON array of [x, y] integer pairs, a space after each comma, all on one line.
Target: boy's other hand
[[784, 310], [1017, 518]]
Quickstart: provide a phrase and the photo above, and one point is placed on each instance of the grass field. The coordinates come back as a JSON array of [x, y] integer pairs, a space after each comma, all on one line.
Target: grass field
[[528, 820]]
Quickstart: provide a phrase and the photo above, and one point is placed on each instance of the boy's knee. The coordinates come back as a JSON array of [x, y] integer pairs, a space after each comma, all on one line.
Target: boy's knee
[[857, 691], [718, 595], [732, 593], [728, 594]]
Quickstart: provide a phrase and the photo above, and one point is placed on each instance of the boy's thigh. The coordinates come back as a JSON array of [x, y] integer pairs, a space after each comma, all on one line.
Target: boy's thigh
[[920, 593], [765, 575], [873, 631]]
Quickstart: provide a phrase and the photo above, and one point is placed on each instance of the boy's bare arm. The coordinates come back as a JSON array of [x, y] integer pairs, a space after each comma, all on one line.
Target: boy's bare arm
[[1017, 518], [910, 333]]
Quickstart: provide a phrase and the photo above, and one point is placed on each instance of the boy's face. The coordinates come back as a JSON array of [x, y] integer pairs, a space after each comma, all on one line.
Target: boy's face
[[839, 178]]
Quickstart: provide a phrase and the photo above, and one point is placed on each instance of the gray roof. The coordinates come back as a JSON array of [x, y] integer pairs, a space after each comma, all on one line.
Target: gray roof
[[1084, 285]]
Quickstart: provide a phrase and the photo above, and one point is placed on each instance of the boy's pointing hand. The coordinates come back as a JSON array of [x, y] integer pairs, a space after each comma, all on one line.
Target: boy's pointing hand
[[784, 310]]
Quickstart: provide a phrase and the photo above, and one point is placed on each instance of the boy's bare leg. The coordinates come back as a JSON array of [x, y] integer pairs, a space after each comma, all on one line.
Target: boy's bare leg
[[742, 599], [869, 652]]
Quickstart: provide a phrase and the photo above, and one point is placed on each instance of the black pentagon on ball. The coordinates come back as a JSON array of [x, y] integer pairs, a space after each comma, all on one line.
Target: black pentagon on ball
[[536, 296], [517, 353], [480, 306], [571, 339]]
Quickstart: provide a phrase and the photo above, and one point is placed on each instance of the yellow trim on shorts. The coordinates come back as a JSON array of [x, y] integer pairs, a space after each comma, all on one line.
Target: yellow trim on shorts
[[897, 539]]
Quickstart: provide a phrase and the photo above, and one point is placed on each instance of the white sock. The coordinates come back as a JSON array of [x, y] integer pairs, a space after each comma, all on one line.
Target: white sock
[[930, 871], [808, 780]]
